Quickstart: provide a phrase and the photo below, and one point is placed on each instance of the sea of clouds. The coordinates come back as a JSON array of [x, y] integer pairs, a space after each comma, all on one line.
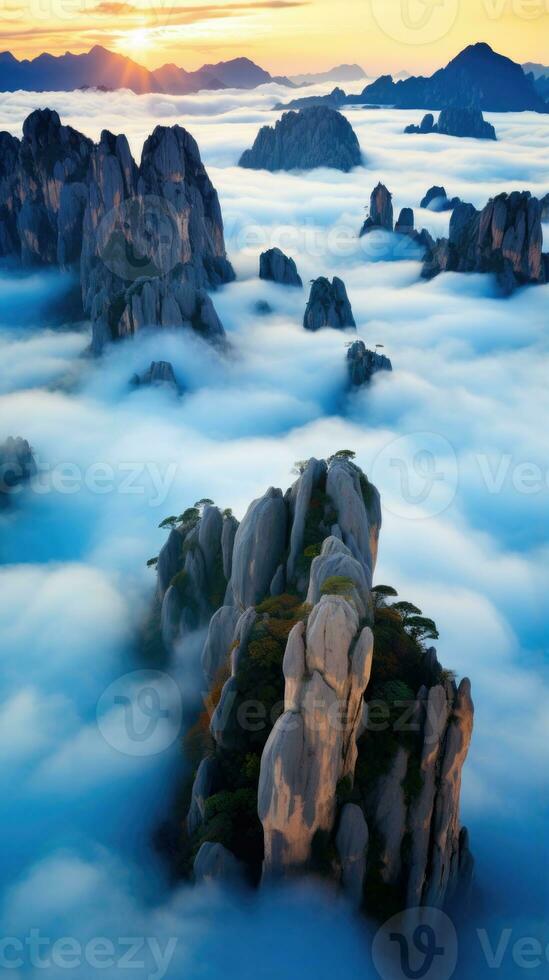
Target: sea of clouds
[[468, 390]]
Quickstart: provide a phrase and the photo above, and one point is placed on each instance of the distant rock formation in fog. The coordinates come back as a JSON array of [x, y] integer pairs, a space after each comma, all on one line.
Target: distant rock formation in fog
[[148, 239], [436, 199], [17, 466], [313, 137], [362, 364], [381, 211], [505, 239], [456, 122], [158, 374], [328, 306], [274, 266]]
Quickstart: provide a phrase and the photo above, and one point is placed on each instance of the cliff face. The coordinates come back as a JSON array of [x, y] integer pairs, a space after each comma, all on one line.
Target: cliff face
[[505, 239], [17, 466], [456, 122], [149, 238], [312, 137], [297, 775]]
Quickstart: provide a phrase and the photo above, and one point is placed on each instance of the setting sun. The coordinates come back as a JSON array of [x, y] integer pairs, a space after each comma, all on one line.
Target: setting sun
[[136, 41]]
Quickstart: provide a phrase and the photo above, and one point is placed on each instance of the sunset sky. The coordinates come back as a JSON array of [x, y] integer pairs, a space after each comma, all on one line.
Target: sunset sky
[[281, 35]]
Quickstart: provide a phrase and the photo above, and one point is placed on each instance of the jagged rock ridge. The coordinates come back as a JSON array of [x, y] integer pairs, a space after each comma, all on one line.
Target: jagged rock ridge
[[505, 239], [309, 785], [149, 238], [456, 122], [313, 137]]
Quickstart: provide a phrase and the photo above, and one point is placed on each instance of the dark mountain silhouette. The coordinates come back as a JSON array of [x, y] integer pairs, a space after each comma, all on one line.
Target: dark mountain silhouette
[[100, 68], [478, 77]]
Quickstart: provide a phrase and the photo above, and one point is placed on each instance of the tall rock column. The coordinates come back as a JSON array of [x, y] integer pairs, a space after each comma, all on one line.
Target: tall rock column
[[312, 746]]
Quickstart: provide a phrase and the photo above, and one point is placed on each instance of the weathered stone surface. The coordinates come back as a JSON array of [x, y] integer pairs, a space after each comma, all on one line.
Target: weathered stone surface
[[381, 211], [258, 548], [312, 137], [214, 863], [444, 862], [158, 373], [362, 364], [218, 641], [388, 808], [336, 560], [313, 744], [230, 527], [169, 559], [300, 499], [205, 784], [328, 306], [359, 523], [274, 266], [505, 239], [352, 845], [421, 811]]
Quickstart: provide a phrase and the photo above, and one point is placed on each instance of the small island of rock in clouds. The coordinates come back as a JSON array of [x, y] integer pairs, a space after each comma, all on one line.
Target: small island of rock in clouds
[[272, 505]]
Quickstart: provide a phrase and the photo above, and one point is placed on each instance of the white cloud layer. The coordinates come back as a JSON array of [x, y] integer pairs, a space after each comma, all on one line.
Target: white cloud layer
[[470, 376]]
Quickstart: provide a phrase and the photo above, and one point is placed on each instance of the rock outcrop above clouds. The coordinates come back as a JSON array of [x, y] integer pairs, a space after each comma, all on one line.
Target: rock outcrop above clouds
[[328, 306], [456, 122], [362, 364], [436, 199], [380, 214], [297, 775], [158, 374], [312, 137], [504, 239], [275, 266], [148, 239]]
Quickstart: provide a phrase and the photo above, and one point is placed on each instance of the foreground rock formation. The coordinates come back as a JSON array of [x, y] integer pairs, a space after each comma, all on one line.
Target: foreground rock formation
[[328, 306], [148, 239], [295, 774], [504, 239], [274, 266], [313, 137], [456, 122]]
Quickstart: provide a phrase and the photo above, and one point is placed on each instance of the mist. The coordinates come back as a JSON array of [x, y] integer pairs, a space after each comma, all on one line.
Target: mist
[[469, 384]]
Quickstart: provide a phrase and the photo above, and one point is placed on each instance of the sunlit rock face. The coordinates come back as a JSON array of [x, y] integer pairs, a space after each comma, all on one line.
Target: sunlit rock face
[[297, 621], [313, 745], [149, 238], [380, 212], [317, 136], [505, 239]]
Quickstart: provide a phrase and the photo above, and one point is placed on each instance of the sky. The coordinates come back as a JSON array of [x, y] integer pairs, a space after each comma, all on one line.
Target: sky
[[283, 36]]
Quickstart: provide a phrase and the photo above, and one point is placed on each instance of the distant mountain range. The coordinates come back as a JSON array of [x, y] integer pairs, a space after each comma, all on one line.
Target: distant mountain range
[[342, 73], [477, 78], [535, 69], [100, 68]]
